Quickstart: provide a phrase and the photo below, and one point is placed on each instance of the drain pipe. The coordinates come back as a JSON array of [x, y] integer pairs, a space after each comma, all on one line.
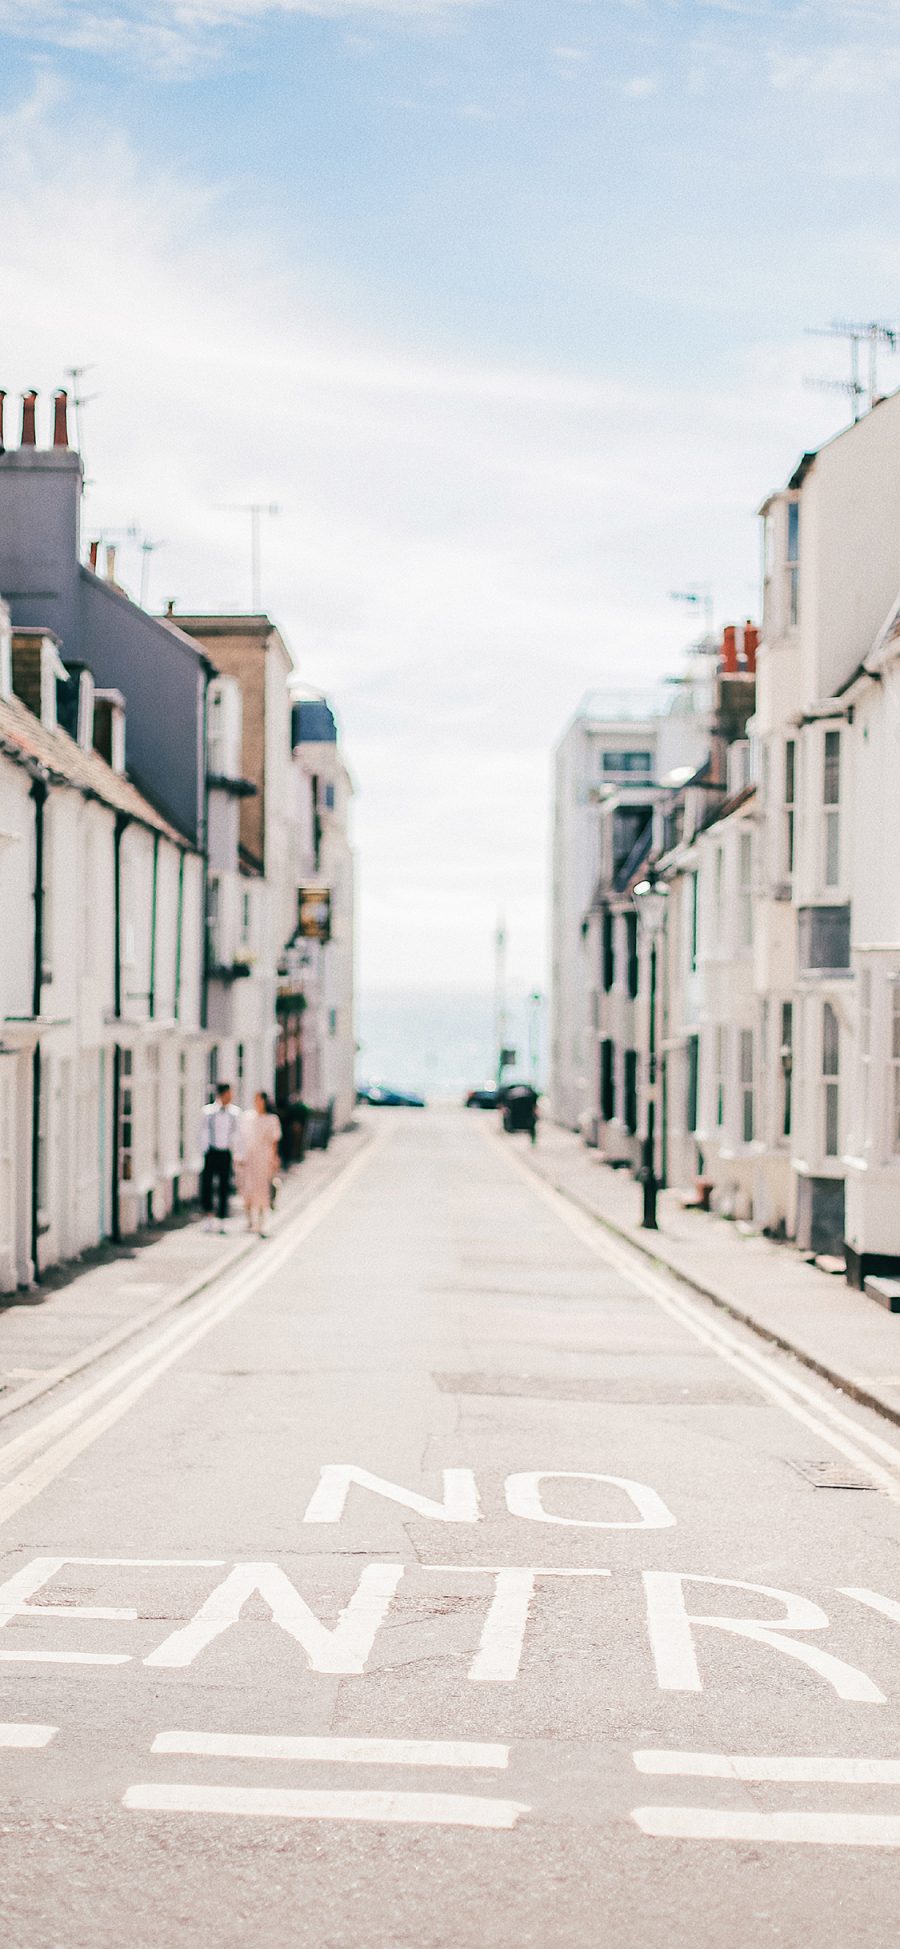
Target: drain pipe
[[39, 791]]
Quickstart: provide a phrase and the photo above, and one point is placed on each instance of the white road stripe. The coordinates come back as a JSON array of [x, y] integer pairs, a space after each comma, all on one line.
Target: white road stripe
[[821, 1830], [160, 1352], [814, 1410], [772, 1766], [294, 1803], [23, 1735], [351, 1752]]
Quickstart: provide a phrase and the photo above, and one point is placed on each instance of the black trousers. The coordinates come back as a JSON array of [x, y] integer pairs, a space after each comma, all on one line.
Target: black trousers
[[216, 1180]]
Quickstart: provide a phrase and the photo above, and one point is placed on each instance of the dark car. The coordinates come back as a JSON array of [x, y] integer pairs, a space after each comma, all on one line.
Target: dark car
[[487, 1098], [378, 1093]]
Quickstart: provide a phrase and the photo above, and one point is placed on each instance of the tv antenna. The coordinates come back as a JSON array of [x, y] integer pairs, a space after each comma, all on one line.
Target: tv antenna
[[75, 374], [700, 596], [874, 334], [255, 509], [148, 548]]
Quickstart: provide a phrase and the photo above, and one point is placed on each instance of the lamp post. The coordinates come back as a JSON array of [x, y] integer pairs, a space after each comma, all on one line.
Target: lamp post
[[650, 901]]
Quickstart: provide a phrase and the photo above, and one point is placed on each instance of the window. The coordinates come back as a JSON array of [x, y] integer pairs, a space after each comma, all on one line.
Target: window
[[607, 1080], [631, 939], [329, 797], [246, 919], [126, 1116], [719, 890], [745, 888], [640, 762], [212, 1071], [895, 1066], [831, 794], [609, 951], [332, 1021], [747, 1086], [212, 922], [787, 1064], [793, 560], [790, 787], [630, 1091], [240, 1062], [695, 890], [831, 1062], [693, 1071], [182, 1106], [720, 1074], [865, 1051]]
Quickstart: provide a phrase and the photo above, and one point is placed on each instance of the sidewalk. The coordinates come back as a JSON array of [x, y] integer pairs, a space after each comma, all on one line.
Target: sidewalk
[[838, 1332], [83, 1309]]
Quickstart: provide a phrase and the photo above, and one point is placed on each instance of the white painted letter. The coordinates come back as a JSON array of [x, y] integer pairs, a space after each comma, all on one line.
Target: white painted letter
[[888, 1606], [671, 1636], [499, 1653], [523, 1498], [326, 1504], [24, 1584], [343, 1649]]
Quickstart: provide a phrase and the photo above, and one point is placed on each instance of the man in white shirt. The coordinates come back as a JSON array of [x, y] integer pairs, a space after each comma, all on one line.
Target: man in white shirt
[[222, 1145]]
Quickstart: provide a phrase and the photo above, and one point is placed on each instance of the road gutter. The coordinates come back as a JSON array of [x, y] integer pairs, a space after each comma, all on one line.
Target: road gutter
[[855, 1390], [247, 1247]]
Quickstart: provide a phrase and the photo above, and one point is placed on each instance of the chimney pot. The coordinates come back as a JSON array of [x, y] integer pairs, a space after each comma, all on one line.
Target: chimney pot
[[110, 561], [60, 418], [29, 402], [93, 553], [2, 400]]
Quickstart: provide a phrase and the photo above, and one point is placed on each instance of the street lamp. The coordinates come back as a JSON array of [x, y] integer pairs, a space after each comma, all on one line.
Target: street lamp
[[650, 898]]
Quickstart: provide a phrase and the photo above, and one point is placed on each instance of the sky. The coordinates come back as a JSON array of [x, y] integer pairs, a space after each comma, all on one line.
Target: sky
[[504, 303]]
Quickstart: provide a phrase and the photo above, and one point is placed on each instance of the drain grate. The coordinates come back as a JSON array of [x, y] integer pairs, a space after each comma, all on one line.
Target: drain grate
[[831, 1475]]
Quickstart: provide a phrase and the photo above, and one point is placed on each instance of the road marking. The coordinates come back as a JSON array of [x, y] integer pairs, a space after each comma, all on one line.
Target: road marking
[[24, 1735], [350, 1752], [801, 1768], [326, 1504], [499, 1653], [523, 1498], [300, 1803], [773, 1379], [797, 1829], [345, 1647], [671, 1628], [56, 1449]]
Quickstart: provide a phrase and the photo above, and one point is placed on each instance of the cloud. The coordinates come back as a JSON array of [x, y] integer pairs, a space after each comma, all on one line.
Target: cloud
[[465, 545], [641, 86], [172, 36]]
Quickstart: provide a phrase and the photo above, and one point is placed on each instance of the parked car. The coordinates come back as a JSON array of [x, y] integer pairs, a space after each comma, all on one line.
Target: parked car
[[378, 1093], [485, 1098]]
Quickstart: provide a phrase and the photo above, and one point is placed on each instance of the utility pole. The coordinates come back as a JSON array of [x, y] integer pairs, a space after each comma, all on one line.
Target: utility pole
[[535, 1004], [500, 998], [255, 509]]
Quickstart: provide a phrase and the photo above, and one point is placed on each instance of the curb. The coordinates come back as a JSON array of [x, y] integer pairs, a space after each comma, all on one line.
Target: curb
[[853, 1389], [55, 1376]]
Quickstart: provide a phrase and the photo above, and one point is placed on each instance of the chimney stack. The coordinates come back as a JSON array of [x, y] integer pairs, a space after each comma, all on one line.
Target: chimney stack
[[2, 400], [29, 402], [60, 418], [729, 661]]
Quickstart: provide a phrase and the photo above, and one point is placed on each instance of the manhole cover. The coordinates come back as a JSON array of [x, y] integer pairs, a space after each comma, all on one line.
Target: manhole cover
[[831, 1475]]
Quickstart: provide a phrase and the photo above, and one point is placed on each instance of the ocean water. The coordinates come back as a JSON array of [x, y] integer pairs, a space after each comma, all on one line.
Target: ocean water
[[442, 1045]]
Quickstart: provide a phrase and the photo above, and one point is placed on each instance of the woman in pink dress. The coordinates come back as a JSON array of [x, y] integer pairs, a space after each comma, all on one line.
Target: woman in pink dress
[[262, 1131]]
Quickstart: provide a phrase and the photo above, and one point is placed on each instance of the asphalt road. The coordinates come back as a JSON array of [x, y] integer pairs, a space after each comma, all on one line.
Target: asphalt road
[[443, 1579]]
